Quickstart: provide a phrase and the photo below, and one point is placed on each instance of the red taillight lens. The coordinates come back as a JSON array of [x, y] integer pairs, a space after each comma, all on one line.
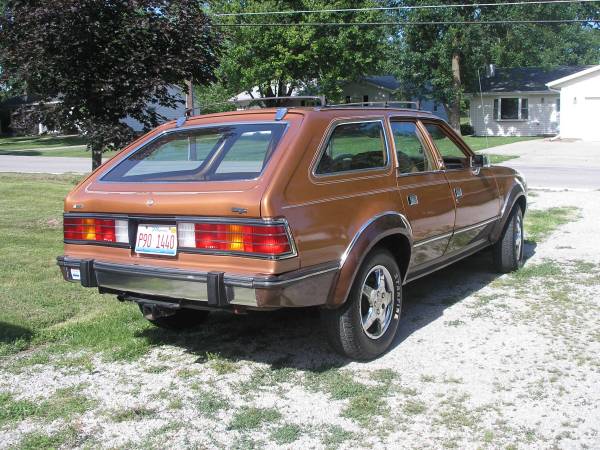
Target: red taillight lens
[[269, 240], [89, 229]]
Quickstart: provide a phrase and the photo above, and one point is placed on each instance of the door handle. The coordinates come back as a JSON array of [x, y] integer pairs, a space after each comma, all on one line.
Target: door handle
[[412, 199], [458, 193]]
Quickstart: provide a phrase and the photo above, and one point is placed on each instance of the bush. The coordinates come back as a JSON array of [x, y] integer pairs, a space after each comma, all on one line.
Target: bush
[[466, 129]]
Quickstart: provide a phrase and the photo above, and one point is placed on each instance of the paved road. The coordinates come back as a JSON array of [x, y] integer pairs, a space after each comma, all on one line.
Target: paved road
[[552, 177], [44, 164], [555, 165]]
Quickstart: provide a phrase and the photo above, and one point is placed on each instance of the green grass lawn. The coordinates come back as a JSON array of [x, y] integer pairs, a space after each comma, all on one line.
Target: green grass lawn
[[38, 307], [478, 143], [47, 146]]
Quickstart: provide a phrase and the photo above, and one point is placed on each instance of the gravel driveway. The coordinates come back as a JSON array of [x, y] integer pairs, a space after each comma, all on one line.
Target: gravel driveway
[[481, 361]]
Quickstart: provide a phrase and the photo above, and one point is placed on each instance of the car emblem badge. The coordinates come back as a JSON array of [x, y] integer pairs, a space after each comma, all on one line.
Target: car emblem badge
[[149, 202]]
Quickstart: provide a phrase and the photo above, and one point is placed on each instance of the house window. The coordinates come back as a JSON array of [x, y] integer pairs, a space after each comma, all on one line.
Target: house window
[[558, 105], [524, 109], [435, 106], [347, 99], [511, 108], [365, 99]]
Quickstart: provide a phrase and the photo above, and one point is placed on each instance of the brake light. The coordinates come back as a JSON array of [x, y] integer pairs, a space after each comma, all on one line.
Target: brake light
[[95, 229], [257, 239]]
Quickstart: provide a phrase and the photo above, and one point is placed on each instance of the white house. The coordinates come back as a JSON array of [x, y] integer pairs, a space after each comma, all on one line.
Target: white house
[[517, 102], [580, 104]]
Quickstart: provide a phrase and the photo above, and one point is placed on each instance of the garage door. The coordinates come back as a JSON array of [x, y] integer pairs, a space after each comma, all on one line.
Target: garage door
[[591, 131]]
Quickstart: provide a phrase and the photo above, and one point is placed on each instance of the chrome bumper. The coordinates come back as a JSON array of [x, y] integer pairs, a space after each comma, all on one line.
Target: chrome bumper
[[215, 289]]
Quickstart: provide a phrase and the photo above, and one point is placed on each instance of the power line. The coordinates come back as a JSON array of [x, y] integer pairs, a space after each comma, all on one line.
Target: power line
[[404, 23], [398, 8]]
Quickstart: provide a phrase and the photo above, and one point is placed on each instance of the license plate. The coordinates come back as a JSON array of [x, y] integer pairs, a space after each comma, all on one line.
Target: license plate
[[156, 240]]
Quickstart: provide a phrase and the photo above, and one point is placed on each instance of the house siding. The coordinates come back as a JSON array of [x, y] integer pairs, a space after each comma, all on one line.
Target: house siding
[[543, 116], [580, 108]]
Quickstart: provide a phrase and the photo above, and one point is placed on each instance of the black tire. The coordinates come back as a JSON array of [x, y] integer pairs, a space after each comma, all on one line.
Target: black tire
[[180, 320], [344, 326], [508, 251]]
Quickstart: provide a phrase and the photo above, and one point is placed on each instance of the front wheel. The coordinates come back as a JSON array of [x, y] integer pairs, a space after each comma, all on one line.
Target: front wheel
[[364, 327], [508, 251]]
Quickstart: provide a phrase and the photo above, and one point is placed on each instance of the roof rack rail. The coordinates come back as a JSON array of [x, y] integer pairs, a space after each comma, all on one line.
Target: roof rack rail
[[264, 102], [383, 104]]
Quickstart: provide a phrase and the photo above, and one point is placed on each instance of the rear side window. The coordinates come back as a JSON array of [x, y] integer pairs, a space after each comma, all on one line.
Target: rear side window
[[227, 152], [412, 157], [354, 146]]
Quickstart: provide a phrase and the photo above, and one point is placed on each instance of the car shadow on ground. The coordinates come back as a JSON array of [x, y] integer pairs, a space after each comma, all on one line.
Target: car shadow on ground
[[9, 333], [294, 339]]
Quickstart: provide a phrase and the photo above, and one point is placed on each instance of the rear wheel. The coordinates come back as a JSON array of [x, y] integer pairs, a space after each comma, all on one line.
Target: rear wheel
[[508, 251], [364, 327], [173, 320]]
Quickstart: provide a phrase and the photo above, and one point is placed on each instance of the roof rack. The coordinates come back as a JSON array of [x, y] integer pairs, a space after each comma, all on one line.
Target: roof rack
[[264, 102], [296, 101], [384, 104]]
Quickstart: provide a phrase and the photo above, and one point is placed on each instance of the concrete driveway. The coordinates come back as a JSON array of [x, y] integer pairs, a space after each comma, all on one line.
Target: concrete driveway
[[555, 164]]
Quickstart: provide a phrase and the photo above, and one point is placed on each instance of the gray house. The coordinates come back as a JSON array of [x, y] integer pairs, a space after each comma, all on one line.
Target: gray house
[[518, 102], [379, 88]]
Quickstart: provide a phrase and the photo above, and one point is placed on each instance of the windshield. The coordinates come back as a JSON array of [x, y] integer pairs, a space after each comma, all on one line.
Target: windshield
[[222, 152]]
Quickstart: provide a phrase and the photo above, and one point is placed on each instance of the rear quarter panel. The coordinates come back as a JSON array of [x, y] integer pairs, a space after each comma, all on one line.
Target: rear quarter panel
[[326, 212]]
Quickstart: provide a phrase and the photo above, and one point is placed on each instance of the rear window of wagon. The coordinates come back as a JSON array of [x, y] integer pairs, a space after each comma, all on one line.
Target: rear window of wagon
[[213, 153]]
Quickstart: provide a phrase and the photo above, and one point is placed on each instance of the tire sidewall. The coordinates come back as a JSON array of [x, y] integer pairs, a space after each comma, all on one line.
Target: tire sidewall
[[518, 259], [375, 347]]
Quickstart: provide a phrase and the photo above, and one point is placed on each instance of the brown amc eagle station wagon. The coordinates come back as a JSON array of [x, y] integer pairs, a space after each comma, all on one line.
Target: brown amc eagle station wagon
[[328, 206]]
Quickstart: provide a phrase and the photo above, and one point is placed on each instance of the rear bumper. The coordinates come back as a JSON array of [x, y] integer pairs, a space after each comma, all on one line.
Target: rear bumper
[[304, 287]]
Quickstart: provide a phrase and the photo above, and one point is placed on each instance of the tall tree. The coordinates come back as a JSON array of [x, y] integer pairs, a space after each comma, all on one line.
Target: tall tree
[[106, 60], [279, 59], [442, 59]]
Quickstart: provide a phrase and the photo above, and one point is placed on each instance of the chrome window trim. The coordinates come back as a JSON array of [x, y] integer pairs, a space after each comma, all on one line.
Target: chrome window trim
[[392, 119], [325, 141], [412, 174], [183, 129]]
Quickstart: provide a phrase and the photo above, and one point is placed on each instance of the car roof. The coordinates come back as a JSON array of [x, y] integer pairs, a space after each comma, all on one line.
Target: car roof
[[330, 110]]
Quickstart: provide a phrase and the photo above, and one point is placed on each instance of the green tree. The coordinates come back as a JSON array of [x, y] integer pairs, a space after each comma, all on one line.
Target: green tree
[[279, 59], [442, 60], [105, 60]]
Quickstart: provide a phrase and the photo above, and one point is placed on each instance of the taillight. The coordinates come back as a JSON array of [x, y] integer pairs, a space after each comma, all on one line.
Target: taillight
[[95, 229], [253, 239]]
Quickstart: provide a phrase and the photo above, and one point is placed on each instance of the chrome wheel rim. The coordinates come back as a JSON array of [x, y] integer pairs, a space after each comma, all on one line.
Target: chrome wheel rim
[[519, 238], [377, 302]]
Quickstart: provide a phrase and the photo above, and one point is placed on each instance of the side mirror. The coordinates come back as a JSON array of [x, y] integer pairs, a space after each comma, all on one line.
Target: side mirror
[[479, 161]]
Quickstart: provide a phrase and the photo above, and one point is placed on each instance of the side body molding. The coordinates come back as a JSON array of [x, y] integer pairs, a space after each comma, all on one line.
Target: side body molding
[[517, 194], [381, 226]]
